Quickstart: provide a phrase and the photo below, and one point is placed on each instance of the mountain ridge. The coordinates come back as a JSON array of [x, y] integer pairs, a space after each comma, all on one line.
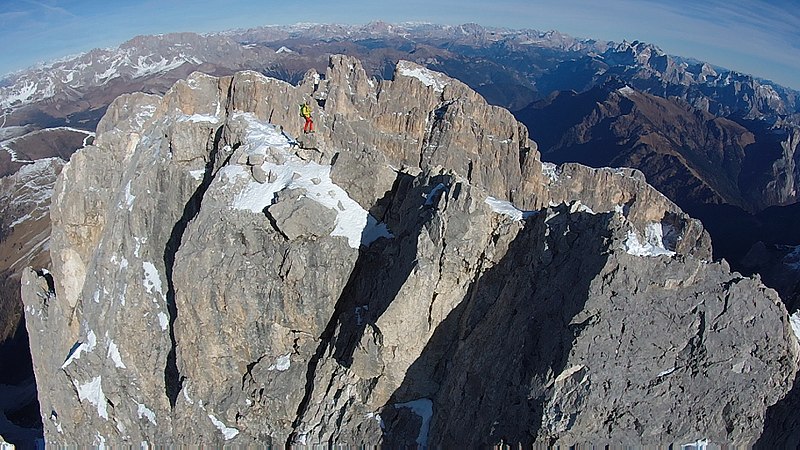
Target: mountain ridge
[[487, 60], [511, 68], [379, 345], [245, 44], [712, 159]]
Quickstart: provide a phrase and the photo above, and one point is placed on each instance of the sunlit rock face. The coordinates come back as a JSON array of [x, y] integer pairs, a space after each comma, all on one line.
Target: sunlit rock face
[[410, 274]]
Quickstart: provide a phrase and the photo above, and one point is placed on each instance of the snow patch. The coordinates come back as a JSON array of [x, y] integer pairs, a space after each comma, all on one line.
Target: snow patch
[[568, 373], [352, 221], [378, 418], [99, 440], [152, 279], [700, 444], [93, 392], [282, 363], [198, 118], [372, 231], [138, 245], [794, 321], [144, 113], [428, 77], [80, 348], [91, 340], [506, 208], [144, 66], [626, 91], [120, 427], [12, 153], [653, 245], [550, 171], [113, 353], [107, 75], [76, 130], [163, 320], [123, 294], [424, 409], [129, 198], [20, 220], [23, 95], [144, 411], [664, 373], [186, 396], [198, 174], [35, 188], [284, 49], [228, 432], [576, 206], [792, 259]]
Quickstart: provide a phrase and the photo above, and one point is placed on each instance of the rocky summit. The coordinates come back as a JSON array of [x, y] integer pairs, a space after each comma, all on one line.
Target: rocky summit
[[409, 274]]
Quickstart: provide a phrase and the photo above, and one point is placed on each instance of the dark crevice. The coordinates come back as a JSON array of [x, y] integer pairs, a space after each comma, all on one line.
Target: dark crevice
[[51, 284], [380, 211], [383, 269], [173, 380], [724, 307], [523, 292], [781, 421], [523, 156], [434, 135], [377, 276], [23, 425], [273, 223], [310, 375], [249, 372]]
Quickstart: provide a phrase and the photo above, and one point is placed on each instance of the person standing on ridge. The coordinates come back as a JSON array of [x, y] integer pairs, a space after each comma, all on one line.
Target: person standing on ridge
[[305, 112]]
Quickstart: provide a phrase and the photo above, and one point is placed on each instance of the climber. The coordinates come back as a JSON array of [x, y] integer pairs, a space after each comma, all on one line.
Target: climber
[[305, 112]]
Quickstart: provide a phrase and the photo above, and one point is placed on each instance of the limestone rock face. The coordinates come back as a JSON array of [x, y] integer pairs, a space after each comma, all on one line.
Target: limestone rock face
[[418, 277]]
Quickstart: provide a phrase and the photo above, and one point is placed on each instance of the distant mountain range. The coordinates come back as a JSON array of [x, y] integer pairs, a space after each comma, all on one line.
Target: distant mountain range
[[691, 155], [720, 144], [509, 67]]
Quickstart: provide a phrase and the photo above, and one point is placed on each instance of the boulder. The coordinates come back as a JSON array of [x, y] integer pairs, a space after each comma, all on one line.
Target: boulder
[[259, 174], [295, 215]]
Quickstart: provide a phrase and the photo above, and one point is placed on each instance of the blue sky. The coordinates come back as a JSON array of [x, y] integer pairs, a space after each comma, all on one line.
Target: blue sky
[[752, 36]]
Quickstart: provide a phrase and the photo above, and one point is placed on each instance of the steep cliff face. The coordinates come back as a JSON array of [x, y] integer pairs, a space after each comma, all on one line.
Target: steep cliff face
[[411, 273], [24, 236]]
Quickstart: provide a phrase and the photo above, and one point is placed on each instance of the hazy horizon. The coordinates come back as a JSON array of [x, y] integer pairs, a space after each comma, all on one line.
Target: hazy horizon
[[749, 36]]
